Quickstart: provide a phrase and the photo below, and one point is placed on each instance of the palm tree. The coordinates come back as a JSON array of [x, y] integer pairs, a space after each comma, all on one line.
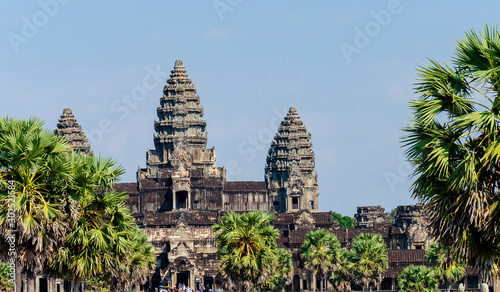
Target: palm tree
[[100, 238], [320, 253], [417, 279], [282, 274], [447, 269], [453, 142], [35, 161], [342, 277], [247, 251], [6, 283], [368, 257]]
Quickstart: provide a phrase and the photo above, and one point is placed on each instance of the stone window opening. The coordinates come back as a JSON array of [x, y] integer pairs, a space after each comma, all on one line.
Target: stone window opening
[[295, 203], [276, 206], [311, 205], [182, 197]]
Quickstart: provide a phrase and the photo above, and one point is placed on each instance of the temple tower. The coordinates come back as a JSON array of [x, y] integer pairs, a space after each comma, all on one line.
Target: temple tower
[[177, 168], [72, 131], [290, 173], [180, 125]]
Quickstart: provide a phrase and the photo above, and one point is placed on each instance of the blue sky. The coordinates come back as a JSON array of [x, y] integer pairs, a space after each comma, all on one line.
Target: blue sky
[[348, 68]]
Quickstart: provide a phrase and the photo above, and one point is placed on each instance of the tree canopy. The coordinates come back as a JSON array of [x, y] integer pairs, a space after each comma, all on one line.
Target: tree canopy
[[320, 253], [368, 257], [417, 279], [344, 221], [454, 142], [247, 252], [69, 222]]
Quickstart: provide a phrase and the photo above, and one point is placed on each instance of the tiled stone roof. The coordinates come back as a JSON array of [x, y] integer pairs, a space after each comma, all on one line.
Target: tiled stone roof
[[245, 186]]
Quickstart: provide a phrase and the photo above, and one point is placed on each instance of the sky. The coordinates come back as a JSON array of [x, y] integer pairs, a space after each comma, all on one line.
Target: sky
[[349, 68]]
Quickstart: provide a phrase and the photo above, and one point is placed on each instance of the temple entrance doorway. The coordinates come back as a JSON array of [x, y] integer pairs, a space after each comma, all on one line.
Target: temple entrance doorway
[[208, 282], [183, 278], [43, 285], [181, 197]]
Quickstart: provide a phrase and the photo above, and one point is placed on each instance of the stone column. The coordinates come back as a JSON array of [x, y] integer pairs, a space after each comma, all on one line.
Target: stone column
[[174, 200]]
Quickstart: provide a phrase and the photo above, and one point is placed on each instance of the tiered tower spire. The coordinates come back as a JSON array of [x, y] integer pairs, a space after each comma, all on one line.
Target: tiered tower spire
[[70, 129], [180, 130], [179, 114], [290, 171]]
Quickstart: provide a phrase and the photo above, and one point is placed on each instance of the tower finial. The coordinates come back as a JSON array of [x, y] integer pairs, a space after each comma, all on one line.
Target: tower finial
[[178, 64]]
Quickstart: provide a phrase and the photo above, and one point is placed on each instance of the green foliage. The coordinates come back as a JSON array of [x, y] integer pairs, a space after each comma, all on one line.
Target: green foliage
[[342, 277], [97, 284], [454, 142], [448, 270], [104, 240], [69, 221], [344, 221], [36, 161], [320, 253], [6, 279], [247, 251], [368, 259], [391, 216], [283, 273], [417, 279]]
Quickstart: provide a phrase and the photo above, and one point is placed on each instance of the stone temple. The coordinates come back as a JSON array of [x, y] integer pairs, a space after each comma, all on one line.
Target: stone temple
[[182, 192]]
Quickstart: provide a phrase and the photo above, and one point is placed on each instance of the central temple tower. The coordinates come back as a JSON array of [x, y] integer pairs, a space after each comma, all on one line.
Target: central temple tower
[[180, 125], [180, 166]]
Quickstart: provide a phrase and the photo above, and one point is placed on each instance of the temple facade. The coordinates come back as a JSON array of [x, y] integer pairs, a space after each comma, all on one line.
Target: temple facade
[[182, 192]]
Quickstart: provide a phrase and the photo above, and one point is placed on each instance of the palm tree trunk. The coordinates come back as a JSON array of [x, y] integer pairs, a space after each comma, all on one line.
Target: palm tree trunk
[[320, 283], [18, 279], [77, 285], [31, 281], [448, 289]]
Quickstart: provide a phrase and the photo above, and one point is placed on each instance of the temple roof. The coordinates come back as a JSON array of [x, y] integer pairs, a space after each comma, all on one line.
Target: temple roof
[[245, 186], [70, 129]]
